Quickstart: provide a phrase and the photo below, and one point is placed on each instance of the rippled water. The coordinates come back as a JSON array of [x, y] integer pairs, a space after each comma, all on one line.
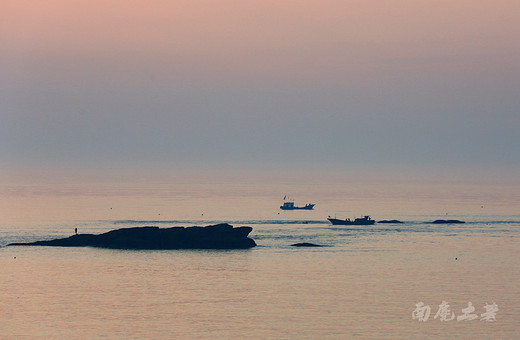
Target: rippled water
[[364, 283]]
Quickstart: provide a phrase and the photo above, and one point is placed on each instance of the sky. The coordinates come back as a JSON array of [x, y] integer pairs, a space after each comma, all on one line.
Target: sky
[[166, 84]]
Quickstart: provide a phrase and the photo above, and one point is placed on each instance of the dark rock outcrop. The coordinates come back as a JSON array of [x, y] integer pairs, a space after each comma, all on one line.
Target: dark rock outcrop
[[389, 221], [220, 236], [447, 221], [305, 244]]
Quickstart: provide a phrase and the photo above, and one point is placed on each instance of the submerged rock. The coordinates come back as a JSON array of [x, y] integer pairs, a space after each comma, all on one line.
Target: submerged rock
[[305, 244], [447, 221], [220, 236], [389, 221]]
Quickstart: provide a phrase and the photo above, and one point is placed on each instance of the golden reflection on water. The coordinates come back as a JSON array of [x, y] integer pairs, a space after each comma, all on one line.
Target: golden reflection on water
[[364, 286], [261, 293], [67, 202]]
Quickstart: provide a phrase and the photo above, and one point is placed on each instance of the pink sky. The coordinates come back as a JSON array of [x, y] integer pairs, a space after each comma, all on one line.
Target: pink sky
[[316, 40], [429, 81]]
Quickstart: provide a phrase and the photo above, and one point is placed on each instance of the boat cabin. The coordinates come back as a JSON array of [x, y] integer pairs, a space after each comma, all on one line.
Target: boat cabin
[[288, 205]]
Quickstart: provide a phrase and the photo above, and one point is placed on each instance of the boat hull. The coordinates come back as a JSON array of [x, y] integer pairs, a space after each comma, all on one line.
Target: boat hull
[[307, 207], [335, 221]]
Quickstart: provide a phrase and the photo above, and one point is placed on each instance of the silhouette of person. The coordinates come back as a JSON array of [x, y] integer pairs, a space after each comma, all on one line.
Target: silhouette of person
[[76, 231]]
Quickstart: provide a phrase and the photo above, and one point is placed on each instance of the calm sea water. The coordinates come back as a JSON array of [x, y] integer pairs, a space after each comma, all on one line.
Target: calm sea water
[[365, 283]]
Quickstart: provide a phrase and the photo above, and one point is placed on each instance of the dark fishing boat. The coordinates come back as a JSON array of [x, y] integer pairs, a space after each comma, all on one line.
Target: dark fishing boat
[[358, 221], [291, 206]]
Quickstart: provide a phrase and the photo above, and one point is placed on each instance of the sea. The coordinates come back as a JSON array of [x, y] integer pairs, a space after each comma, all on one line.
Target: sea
[[414, 280]]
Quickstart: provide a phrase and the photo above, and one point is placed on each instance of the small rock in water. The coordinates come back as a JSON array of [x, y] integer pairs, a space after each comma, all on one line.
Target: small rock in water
[[305, 244], [447, 222]]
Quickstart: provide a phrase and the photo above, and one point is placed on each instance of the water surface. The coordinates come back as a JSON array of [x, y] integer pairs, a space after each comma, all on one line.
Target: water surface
[[364, 283]]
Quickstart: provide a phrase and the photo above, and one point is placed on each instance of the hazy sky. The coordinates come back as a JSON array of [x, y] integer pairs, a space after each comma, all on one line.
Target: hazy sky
[[127, 83]]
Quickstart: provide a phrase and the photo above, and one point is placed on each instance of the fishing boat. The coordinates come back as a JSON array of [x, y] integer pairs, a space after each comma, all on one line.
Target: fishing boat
[[291, 206], [358, 221]]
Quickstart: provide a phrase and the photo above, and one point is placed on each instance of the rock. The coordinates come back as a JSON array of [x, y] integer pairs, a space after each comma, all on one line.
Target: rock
[[220, 236], [447, 221], [305, 244], [389, 221]]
